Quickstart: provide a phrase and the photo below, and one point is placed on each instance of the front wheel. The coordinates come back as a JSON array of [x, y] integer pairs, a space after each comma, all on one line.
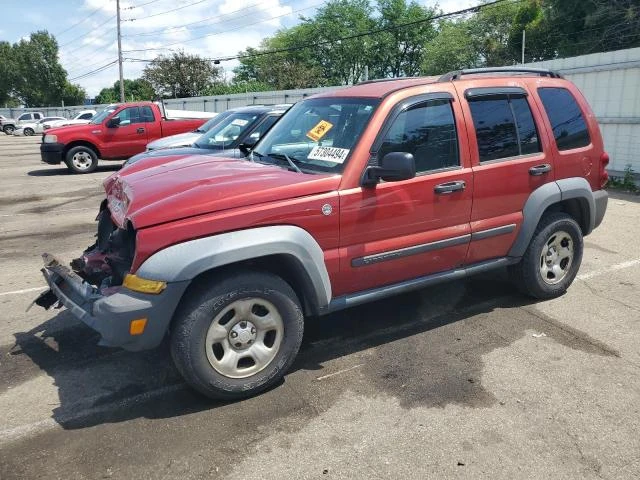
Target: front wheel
[[552, 259], [81, 159], [237, 337], [8, 129]]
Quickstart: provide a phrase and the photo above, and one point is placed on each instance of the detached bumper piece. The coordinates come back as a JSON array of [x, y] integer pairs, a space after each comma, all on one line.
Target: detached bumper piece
[[51, 153], [117, 316]]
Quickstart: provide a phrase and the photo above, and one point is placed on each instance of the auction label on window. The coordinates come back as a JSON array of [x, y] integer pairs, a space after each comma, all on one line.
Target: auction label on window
[[240, 122], [320, 130], [328, 154]]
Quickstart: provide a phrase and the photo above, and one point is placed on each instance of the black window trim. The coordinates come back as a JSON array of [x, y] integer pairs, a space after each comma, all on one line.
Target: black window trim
[[504, 92]]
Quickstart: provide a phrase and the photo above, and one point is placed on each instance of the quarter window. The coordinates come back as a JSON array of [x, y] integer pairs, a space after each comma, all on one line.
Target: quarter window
[[568, 124], [147, 114], [504, 127], [427, 131]]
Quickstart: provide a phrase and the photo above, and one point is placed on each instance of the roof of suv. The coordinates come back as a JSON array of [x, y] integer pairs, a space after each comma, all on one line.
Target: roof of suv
[[382, 87], [260, 109]]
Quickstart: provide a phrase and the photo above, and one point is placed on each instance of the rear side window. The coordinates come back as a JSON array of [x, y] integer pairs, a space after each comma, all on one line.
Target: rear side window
[[568, 124], [427, 131], [504, 127]]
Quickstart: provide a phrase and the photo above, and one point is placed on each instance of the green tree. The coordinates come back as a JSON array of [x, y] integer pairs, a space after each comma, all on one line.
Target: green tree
[[453, 48], [181, 75], [40, 79], [73, 94], [400, 51], [7, 74], [134, 90], [343, 61]]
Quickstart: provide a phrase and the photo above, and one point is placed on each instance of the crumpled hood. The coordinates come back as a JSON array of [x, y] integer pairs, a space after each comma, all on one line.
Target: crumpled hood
[[192, 185]]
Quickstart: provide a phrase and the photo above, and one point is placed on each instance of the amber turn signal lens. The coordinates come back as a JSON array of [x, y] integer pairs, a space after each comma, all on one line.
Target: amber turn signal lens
[[143, 285], [136, 327]]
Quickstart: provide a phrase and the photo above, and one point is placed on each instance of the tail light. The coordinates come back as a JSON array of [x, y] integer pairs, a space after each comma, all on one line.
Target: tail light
[[604, 175]]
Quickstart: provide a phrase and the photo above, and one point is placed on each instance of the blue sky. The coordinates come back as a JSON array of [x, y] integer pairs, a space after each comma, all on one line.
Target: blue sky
[[211, 28]]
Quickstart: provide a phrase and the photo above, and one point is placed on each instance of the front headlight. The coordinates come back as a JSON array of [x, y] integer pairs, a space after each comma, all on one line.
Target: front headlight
[[50, 139]]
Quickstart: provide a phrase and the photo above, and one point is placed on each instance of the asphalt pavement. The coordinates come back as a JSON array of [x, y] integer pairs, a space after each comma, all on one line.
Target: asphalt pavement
[[463, 380]]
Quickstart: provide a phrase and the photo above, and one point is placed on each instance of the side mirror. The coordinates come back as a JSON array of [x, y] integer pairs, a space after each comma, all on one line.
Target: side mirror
[[113, 122], [394, 167], [245, 148]]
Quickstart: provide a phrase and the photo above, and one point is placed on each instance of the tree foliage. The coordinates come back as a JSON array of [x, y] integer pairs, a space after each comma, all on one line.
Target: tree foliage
[[181, 75], [135, 90]]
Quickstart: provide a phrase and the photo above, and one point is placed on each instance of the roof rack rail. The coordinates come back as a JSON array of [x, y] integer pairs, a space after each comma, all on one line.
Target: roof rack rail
[[456, 74], [379, 80]]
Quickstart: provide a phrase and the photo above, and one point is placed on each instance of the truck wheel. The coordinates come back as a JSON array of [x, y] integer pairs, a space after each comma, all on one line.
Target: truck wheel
[[552, 259], [28, 132], [8, 129], [238, 336], [81, 159]]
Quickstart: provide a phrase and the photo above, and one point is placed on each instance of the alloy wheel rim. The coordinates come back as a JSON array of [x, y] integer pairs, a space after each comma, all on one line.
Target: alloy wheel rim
[[244, 338], [556, 257]]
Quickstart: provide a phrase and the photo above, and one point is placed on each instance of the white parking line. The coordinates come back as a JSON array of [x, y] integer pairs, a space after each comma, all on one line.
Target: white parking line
[[25, 290], [339, 372], [612, 268], [22, 431]]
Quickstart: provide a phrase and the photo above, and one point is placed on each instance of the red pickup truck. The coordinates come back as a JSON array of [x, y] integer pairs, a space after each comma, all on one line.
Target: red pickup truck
[[118, 132], [352, 196]]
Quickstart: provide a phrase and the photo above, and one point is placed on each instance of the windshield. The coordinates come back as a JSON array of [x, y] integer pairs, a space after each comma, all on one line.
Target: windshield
[[99, 118], [318, 134], [209, 124], [226, 132]]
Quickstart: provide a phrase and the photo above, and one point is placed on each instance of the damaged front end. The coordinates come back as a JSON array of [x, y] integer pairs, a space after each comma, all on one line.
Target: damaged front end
[[105, 263], [95, 290]]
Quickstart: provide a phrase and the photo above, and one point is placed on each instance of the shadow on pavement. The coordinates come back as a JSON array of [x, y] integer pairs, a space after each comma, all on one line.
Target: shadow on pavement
[[63, 170], [464, 321]]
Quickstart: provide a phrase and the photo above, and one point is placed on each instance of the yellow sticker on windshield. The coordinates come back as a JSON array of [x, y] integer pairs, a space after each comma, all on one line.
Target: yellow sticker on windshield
[[319, 131]]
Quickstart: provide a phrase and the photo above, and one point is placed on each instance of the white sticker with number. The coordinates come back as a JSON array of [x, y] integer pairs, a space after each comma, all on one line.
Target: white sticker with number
[[240, 122], [328, 154]]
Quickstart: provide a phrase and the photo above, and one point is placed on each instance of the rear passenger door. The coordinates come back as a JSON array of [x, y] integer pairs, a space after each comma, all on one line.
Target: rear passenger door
[[508, 160], [396, 231]]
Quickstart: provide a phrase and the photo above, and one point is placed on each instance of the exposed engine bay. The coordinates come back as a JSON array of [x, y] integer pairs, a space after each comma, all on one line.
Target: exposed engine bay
[[105, 263]]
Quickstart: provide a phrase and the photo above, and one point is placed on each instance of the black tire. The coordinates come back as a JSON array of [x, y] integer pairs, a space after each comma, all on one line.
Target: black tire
[[528, 274], [8, 129], [88, 165], [28, 132], [197, 313]]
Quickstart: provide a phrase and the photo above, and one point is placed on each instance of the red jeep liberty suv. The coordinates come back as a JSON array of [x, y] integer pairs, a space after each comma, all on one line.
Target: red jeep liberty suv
[[354, 195]]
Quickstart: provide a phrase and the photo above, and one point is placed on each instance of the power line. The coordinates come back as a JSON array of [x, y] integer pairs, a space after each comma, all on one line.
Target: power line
[[464, 11], [245, 25], [93, 72], [93, 12], [165, 12], [86, 33], [141, 5], [219, 17]]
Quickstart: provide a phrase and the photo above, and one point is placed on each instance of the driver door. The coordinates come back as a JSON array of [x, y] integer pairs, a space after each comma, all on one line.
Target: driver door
[[401, 230], [129, 137]]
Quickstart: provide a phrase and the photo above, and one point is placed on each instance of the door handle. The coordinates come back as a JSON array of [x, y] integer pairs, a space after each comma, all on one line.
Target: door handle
[[450, 187], [140, 130], [538, 170]]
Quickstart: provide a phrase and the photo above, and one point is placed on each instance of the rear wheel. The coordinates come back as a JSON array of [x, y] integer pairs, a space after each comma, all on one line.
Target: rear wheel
[[81, 159], [552, 259], [237, 337], [8, 129], [28, 131]]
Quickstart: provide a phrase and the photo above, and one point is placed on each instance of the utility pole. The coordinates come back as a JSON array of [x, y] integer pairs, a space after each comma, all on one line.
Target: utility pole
[[122, 99], [523, 40]]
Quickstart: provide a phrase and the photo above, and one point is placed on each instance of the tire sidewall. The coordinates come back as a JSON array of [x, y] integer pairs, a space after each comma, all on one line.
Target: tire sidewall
[[73, 151], [28, 132], [8, 130], [555, 224], [189, 341]]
